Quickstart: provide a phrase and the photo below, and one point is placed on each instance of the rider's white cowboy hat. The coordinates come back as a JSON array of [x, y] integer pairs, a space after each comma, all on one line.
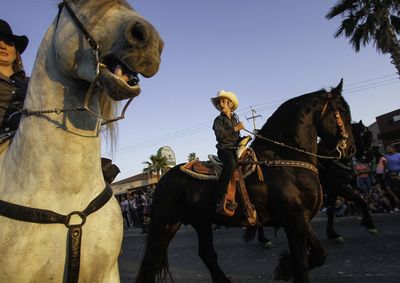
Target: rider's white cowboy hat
[[226, 94]]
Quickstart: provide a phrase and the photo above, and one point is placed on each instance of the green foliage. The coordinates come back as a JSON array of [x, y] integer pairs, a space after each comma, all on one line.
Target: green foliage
[[366, 21], [192, 156], [157, 164]]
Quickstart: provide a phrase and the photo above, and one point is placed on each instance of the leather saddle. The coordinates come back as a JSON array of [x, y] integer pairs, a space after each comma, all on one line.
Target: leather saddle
[[211, 169]]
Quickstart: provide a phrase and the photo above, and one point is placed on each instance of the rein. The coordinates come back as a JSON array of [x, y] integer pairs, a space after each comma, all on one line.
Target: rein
[[292, 147], [42, 216]]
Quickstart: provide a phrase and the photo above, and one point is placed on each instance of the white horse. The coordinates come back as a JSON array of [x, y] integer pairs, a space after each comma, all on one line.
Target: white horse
[[53, 162]]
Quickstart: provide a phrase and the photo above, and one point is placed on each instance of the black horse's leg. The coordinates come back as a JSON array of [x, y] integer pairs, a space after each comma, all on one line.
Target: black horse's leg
[[366, 221], [264, 241], [330, 212], [155, 261], [207, 252], [295, 264], [317, 254]]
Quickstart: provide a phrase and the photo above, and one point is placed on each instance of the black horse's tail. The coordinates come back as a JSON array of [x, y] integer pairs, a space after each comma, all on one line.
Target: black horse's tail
[[165, 220], [154, 266]]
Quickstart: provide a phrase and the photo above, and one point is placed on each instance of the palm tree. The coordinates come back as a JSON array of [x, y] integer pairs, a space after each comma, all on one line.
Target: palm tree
[[157, 164], [192, 156], [370, 20]]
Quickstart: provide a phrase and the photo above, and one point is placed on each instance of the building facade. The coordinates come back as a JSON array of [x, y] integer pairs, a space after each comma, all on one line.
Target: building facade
[[389, 128]]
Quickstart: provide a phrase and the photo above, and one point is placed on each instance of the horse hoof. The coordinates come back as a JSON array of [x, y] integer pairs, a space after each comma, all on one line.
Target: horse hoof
[[338, 239], [373, 231], [280, 276], [283, 270], [268, 245]]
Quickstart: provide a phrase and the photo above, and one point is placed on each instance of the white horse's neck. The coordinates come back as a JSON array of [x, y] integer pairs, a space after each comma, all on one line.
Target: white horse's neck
[[63, 149]]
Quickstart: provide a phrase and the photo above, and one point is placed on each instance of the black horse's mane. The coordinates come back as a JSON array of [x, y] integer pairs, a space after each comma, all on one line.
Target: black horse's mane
[[285, 120]]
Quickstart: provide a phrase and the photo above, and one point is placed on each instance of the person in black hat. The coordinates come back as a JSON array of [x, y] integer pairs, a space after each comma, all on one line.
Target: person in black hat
[[13, 81]]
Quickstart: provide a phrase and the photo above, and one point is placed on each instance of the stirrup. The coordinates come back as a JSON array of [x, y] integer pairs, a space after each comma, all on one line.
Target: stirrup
[[227, 207], [244, 141], [242, 146]]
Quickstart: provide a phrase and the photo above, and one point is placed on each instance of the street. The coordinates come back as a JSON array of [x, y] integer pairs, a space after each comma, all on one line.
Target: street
[[361, 258]]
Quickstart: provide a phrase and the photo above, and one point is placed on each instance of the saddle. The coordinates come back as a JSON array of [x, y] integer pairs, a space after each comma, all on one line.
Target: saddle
[[211, 169], [110, 170]]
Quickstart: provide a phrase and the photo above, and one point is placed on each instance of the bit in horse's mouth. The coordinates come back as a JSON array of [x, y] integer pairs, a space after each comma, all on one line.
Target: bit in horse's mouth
[[120, 70]]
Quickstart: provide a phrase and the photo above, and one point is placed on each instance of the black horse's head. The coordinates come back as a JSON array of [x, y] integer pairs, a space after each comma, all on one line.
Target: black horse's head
[[334, 125], [362, 139]]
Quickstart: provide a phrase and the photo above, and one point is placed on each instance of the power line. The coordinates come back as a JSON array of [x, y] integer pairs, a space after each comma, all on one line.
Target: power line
[[270, 105], [253, 117]]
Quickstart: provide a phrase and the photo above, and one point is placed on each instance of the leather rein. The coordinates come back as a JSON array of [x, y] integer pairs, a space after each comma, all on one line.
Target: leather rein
[[42, 216], [341, 144]]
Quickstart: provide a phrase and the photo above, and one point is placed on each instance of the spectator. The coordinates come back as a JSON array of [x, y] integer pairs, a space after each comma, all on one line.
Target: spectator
[[379, 200], [363, 176], [125, 209], [393, 169], [140, 203], [132, 209]]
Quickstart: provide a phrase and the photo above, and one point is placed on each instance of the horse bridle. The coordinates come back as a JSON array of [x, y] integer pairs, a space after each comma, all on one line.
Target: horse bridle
[[344, 135], [96, 82]]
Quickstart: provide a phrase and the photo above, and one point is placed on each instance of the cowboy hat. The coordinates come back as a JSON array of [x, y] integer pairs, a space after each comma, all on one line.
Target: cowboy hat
[[20, 41], [226, 94]]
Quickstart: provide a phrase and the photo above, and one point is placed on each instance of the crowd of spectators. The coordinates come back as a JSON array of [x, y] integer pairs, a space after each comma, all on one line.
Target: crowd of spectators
[[135, 208], [377, 181]]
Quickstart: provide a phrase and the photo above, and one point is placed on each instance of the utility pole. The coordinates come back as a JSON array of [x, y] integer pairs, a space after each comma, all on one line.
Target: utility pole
[[253, 117]]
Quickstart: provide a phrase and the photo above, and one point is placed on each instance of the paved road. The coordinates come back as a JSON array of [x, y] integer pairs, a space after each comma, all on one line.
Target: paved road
[[362, 258]]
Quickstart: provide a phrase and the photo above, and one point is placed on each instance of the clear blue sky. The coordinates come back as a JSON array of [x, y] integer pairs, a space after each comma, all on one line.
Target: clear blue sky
[[265, 51]]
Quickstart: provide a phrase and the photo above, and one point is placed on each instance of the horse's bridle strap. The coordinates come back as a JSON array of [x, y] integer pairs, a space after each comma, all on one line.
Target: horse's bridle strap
[[43, 216]]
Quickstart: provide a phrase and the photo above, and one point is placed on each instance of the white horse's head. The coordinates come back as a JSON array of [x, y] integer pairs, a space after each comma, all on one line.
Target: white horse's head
[[94, 49], [126, 43]]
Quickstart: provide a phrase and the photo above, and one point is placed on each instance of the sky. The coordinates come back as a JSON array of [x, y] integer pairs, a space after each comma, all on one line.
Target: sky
[[264, 51]]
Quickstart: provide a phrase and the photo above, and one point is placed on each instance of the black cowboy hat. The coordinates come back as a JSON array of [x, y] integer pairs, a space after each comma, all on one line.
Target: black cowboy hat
[[20, 41]]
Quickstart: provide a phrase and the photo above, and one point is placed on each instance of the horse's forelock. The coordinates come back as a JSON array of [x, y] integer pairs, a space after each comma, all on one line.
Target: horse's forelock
[[99, 7]]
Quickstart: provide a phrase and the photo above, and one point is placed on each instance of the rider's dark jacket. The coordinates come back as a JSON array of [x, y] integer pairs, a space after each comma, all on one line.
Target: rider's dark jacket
[[12, 96], [225, 134]]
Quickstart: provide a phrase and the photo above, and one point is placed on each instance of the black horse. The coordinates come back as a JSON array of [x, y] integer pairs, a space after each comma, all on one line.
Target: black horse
[[337, 179], [288, 197]]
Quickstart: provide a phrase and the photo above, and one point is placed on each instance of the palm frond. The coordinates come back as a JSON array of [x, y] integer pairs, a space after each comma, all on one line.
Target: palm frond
[[395, 22], [340, 8]]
